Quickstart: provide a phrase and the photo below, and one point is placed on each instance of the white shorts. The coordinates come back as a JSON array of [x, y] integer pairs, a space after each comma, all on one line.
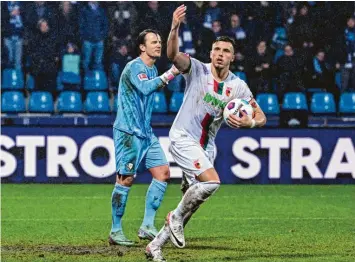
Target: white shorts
[[191, 158]]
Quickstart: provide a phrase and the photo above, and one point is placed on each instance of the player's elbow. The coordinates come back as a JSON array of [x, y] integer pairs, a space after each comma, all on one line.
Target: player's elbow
[[263, 120]]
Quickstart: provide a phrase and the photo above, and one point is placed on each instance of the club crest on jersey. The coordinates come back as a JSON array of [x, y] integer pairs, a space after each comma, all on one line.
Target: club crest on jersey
[[129, 166], [142, 77], [228, 91], [197, 164]]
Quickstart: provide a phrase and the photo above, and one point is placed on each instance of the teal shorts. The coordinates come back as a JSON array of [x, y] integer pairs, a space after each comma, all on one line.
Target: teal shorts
[[134, 154]]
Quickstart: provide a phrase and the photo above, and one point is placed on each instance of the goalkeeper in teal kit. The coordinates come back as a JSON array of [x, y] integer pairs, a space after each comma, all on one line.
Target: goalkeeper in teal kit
[[136, 147]]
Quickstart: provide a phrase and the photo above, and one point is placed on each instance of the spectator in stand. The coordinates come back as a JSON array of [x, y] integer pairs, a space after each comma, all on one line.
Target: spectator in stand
[[123, 20], [266, 12], [217, 28], [236, 31], [120, 58], [279, 39], [260, 69], [43, 51], [301, 31], [68, 24], [289, 69], [204, 41], [253, 29], [36, 11], [153, 19], [320, 72], [348, 72], [71, 59], [12, 30], [213, 13], [291, 16], [239, 64], [186, 43], [93, 27], [195, 16]]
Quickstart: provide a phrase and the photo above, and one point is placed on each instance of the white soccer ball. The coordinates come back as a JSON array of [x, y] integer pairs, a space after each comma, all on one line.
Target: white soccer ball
[[235, 106]]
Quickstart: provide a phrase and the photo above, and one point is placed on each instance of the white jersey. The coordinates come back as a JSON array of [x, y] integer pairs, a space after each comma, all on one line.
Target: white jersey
[[201, 113]]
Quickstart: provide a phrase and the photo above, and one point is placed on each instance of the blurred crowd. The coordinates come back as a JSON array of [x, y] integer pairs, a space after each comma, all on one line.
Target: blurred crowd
[[280, 46]]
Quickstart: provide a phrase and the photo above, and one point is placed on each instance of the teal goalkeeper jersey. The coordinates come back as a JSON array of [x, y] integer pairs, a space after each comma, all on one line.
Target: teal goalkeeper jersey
[[136, 89]]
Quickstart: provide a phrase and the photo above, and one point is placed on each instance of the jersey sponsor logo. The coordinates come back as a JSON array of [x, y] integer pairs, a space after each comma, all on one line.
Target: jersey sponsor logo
[[142, 77], [228, 91], [197, 164], [215, 102]]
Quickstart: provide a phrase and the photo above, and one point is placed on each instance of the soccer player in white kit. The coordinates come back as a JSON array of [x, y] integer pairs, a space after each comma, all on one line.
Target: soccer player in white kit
[[209, 87]]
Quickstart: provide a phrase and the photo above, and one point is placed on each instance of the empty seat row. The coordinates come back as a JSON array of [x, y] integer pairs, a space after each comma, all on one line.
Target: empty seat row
[[321, 103], [93, 80], [42, 102], [71, 101]]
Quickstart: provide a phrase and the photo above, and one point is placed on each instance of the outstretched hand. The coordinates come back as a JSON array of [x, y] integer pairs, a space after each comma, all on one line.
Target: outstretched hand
[[237, 122], [178, 16]]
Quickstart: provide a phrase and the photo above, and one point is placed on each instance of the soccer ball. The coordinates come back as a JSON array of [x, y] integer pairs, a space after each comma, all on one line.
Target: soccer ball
[[235, 106]]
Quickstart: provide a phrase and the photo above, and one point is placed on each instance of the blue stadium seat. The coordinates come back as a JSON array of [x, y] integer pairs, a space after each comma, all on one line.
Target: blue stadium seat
[[176, 84], [13, 102], [269, 103], [97, 102], [12, 79], [70, 78], [278, 54], [41, 102], [69, 101], [114, 106], [241, 75], [176, 101], [159, 103], [347, 103], [95, 80], [294, 101], [323, 103], [30, 82], [338, 79]]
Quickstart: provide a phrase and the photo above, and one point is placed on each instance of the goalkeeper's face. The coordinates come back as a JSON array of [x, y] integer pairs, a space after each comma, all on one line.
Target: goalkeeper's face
[[152, 46], [222, 54]]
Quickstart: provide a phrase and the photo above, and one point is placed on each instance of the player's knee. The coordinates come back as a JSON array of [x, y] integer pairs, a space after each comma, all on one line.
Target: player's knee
[[210, 187], [164, 174], [125, 180]]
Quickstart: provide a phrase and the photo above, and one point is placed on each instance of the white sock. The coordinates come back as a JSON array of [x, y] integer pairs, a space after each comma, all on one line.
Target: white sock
[[194, 197], [162, 237]]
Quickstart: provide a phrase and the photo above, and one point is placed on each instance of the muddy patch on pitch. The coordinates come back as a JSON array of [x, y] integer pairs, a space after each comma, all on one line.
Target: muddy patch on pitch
[[70, 250]]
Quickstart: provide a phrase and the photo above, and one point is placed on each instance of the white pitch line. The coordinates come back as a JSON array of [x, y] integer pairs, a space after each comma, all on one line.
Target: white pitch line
[[161, 219]]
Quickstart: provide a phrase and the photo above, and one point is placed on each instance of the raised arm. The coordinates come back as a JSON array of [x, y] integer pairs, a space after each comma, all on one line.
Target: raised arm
[[180, 60]]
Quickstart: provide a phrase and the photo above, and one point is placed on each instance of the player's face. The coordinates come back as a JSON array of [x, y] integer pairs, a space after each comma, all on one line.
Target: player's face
[[222, 54], [153, 45]]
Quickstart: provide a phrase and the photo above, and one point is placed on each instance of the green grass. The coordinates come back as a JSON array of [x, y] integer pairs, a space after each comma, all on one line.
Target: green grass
[[239, 223]]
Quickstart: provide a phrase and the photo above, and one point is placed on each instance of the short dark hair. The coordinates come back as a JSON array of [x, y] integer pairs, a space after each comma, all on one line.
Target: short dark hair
[[225, 39], [141, 38]]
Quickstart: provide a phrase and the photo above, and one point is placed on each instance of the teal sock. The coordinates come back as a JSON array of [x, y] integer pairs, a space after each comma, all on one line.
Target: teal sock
[[119, 199], [153, 199]]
